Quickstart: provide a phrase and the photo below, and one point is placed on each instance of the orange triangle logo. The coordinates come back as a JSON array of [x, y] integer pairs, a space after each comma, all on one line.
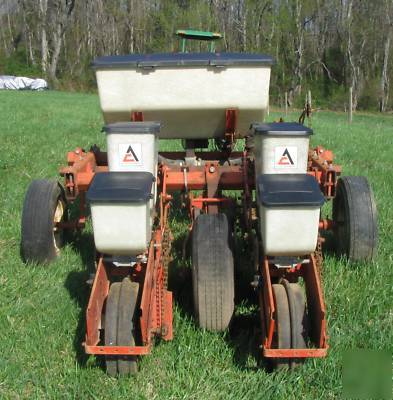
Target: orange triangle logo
[[286, 158], [130, 155]]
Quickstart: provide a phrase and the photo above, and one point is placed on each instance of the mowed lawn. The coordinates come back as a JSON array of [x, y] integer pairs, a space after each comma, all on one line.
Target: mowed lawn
[[42, 308]]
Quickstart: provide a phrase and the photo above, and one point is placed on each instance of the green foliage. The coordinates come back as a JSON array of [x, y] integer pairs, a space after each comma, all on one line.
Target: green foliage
[[369, 100], [18, 65], [42, 309]]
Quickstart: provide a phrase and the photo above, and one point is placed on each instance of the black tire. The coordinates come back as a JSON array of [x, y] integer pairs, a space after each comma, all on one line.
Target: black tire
[[111, 312], [298, 315], [355, 219], [44, 205], [212, 272], [283, 324], [127, 365], [119, 327]]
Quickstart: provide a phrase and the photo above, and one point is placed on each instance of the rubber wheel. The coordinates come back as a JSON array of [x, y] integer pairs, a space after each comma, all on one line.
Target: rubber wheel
[[298, 315], [212, 272], [119, 327], [299, 319], [43, 207], [355, 219], [110, 327], [283, 325], [127, 365]]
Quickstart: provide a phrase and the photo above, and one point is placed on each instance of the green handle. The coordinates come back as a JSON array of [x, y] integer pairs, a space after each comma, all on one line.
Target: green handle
[[189, 34]]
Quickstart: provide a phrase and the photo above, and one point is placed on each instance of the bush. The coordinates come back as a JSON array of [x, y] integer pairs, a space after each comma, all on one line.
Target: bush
[[17, 64], [370, 96]]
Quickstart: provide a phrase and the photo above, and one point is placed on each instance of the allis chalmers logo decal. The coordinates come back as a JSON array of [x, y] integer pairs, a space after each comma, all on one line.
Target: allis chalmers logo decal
[[130, 154], [285, 157]]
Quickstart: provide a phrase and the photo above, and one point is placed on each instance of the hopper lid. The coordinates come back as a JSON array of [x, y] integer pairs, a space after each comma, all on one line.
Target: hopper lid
[[133, 127], [181, 59], [120, 187], [283, 190], [281, 129]]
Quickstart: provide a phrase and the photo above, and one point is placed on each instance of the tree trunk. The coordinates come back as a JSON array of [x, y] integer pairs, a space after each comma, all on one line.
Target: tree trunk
[[43, 8], [296, 88], [56, 48], [385, 77]]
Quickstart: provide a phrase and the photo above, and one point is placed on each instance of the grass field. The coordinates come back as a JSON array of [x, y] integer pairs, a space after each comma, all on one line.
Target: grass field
[[42, 308]]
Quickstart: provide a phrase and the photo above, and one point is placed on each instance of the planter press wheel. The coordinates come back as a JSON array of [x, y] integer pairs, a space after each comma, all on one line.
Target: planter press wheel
[[212, 272], [292, 321], [43, 208], [299, 318], [119, 326], [282, 334], [355, 219]]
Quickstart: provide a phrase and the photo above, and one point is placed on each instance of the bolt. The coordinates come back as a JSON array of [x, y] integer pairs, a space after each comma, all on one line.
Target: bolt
[[212, 169]]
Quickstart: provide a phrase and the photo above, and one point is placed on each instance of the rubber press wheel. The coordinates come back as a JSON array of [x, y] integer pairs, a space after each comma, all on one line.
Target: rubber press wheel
[[282, 336], [355, 219], [112, 303], [212, 271], [44, 206], [127, 365], [119, 327], [292, 321], [299, 318]]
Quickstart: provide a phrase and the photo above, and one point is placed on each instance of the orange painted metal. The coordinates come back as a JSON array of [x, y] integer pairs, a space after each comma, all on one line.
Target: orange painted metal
[[320, 165], [118, 350], [326, 224], [316, 310], [203, 202], [167, 333], [147, 319], [231, 118], [97, 298], [229, 177], [155, 305], [137, 116], [202, 155], [294, 353], [79, 172]]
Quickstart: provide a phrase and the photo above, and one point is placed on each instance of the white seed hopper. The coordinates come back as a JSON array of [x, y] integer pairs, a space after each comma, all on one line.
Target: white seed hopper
[[187, 92]]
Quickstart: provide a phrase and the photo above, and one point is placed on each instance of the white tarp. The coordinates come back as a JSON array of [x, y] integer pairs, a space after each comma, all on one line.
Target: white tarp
[[21, 83]]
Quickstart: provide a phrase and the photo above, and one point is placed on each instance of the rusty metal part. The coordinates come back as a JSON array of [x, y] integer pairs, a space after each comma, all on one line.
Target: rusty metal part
[[326, 224], [79, 172], [227, 177], [212, 176], [320, 165], [137, 116], [203, 155]]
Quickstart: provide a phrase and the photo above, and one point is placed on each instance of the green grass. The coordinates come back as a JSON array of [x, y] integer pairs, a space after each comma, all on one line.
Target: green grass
[[42, 308]]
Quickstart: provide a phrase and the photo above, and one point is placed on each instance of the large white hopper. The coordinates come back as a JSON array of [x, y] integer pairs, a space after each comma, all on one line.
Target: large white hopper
[[187, 92]]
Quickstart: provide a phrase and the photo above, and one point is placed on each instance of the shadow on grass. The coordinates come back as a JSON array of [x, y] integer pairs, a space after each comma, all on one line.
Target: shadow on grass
[[79, 291], [179, 271], [329, 245], [243, 330]]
